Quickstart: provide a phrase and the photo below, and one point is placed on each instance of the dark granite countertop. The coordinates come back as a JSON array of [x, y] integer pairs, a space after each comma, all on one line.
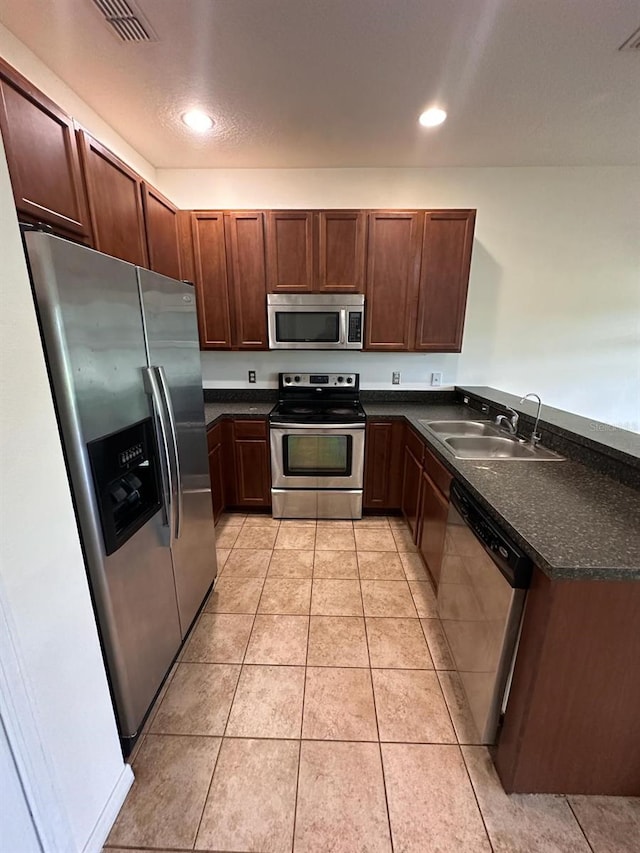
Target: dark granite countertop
[[213, 412], [574, 522]]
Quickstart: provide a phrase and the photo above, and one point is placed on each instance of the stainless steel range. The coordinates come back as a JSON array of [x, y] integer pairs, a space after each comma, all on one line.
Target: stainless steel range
[[317, 446]]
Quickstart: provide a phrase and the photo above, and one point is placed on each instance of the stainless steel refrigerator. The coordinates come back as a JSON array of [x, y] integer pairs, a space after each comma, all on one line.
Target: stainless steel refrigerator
[[122, 351]]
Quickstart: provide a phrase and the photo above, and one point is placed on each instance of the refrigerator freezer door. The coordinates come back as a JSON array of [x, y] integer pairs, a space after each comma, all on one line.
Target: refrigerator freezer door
[[89, 311], [169, 316]]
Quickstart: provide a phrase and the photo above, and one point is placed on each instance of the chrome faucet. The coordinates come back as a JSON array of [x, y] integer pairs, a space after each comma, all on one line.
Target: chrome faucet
[[535, 435], [511, 424]]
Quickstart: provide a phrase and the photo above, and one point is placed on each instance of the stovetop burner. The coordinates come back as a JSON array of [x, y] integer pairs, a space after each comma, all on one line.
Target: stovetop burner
[[327, 398]]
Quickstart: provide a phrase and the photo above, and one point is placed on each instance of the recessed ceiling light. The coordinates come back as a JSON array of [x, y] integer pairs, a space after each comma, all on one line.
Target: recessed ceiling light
[[197, 120], [432, 117]]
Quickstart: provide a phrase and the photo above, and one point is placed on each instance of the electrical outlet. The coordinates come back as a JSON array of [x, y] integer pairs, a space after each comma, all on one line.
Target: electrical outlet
[[436, 379], [395, 377], [252, 376]]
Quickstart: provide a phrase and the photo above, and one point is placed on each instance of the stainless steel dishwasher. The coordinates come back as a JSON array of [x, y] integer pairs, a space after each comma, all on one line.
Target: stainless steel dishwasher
[[481, 597]]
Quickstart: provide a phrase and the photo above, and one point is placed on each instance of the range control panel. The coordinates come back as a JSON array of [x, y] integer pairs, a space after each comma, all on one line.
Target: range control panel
[[317, 380]]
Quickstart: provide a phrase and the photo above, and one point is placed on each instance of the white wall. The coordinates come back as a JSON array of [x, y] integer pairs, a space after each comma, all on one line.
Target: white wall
[[49, 649], [27, 63], [554, 298]]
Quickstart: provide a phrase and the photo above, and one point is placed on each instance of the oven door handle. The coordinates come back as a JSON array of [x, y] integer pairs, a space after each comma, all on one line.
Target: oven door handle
[[319, 428]]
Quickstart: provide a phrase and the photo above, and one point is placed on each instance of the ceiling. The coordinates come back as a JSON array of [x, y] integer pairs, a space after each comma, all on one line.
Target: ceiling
[[313, 83]]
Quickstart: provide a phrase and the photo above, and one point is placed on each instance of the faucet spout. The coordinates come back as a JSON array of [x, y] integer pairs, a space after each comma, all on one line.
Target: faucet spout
[[535, 435], [510, 424]]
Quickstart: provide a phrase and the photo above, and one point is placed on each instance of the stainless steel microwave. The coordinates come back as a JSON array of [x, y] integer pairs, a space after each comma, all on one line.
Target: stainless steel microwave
[[315, 320]]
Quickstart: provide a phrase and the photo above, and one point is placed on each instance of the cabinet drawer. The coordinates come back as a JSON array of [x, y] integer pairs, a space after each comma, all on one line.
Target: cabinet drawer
[[250, 429], [214, 437], [438, 473], [415, 444]]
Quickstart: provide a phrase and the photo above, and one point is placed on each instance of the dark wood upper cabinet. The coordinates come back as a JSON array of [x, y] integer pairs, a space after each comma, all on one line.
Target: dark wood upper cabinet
[[42, 155], [244, 232], [212, 291], [383, 465], [342, 245], [115, 203], [161, 222], [392, 279], [290, 251], [444, 279]]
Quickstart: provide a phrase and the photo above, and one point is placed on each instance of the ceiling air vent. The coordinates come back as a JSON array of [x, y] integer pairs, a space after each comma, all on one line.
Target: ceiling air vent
[[633, 42], [125, 21]]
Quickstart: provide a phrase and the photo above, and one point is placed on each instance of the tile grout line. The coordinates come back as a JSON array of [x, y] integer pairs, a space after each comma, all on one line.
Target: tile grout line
[[375, 712], [475, 797], [577, 820], [304, 690], [215, 765]]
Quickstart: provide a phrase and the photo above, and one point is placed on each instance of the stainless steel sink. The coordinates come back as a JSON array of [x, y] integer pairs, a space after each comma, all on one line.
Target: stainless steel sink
[[497, 447], [484, 440], [462, 427]]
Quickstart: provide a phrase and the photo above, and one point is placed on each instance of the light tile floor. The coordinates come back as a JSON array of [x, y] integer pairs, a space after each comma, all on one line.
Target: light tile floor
[[315, 708]]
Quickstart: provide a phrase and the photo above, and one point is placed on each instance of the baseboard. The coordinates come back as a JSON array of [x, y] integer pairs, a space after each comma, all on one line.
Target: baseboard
[[109, 813]]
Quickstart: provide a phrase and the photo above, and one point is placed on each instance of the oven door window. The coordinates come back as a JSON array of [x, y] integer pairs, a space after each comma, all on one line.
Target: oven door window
[[317, 455], [297, 327]]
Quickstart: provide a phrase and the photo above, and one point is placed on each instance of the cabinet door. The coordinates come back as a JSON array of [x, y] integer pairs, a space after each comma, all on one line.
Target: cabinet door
[[42, 155], [253, 480], [216, 471], [412, 476], [247, 281], [115, 203], [444, 279], [392, 280], [217, 482], [383, 465], [433, 523], [212, 290], [161, 223], [290, 251], [341, 251]]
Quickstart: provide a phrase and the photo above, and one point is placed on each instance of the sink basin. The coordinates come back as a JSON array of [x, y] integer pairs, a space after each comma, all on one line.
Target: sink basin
[[462, 427], [496, 447]]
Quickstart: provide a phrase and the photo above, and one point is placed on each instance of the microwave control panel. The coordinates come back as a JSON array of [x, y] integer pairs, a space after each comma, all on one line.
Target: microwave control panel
[[355, 327]]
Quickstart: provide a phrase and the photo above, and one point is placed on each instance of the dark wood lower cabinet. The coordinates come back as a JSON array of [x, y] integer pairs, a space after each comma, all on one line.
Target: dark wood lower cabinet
[[239, 465], [572, 722], [216, 472], [252, 473], [433, 524], [383, 465], [411, 480]]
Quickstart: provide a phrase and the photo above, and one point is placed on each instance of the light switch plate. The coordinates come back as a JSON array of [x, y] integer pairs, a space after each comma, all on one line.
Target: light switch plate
[[252, 376], [395, 377]]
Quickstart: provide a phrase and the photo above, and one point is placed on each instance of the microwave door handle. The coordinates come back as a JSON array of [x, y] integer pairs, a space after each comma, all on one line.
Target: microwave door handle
[[343, 326], [168, 406], [153, 390]]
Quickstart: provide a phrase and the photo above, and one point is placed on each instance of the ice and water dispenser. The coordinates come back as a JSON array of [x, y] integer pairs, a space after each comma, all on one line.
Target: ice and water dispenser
[[126, 479]]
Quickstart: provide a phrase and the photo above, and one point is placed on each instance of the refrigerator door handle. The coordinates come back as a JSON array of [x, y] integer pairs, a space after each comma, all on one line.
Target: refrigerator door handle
[[174, 446], [153, 390]]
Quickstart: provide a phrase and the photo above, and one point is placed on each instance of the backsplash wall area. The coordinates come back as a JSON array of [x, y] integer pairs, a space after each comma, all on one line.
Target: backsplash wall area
[[230, 369]]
